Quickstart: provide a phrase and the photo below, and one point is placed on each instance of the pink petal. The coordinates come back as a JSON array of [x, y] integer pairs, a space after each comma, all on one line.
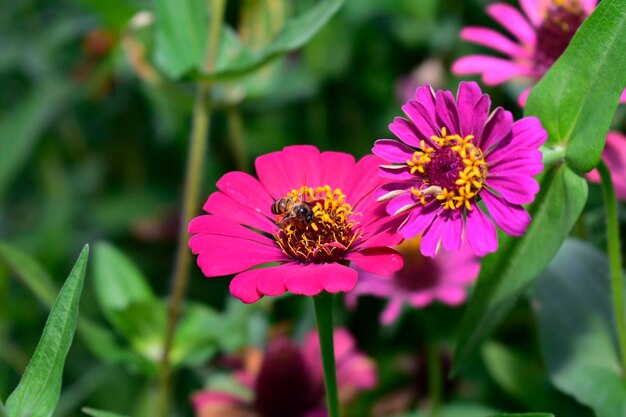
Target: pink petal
[[271, 280], [497, 128], [401, 203], [336, 168], [614, 155], [419, 219], [494, 70], [220, 226], [357, 372], [406, 131], [451, 296], [221, 255], [532, 9], [424, 122], [452, 230], [622, 99], [205, 398], [396, 172], [447, 112], [314, 278], [513, 21], [525, 162], [302, 164], [391, 313], [589, 5], [386, 238], [390, 189], [468, 96], [511, 218], [421, 299], [392, 150], [521, 100], [247, 191], [244, 287], [272, 174], [480, 115], [431, 239], [516, 189], [336, 278], [363, 180], [221, 205], [381, 260], [480, 232], [494, 40], [425, 95]]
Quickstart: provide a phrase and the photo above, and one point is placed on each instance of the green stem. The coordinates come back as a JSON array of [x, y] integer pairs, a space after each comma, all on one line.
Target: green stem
[[324, 315], [435, 378], [615, 260], [552, 155], [193, 180], [238, 138]]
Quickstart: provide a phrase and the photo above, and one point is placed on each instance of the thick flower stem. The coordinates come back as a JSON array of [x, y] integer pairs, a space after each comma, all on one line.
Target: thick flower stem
[[237, 138], [435, 378], [615, 260], [324, 315], [193, 180], [552, 156]]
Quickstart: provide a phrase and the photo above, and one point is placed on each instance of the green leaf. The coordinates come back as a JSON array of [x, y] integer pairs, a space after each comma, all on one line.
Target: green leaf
[[3, 411], [38, 392], [118, 282], [577, 98], [524, 415], [572, 305], [114, 13], [29, 272], [506, 274], [459, 409], [181, 39], [22, 126], [100, 413]]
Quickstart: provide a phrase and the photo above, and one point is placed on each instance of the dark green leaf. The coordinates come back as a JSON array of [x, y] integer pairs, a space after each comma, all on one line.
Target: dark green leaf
[[100, 413], [117, 280], [181, 39], [21, 127], [572, 304], [38, 392], [577, 98], [524, 415], [29, 272], [460, 409], [506, 274]]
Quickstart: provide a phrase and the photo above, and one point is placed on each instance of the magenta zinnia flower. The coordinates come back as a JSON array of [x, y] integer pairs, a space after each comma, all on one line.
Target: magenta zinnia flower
[[289, 381], [454, 153], [541, 35], [421, 281], [614, 156], [330, 220]]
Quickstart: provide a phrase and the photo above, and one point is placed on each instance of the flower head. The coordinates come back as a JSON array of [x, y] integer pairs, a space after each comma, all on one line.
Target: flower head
[[421, 281], [614, 156], [307, 216], [542, 33], [452, 154], [289, 381]]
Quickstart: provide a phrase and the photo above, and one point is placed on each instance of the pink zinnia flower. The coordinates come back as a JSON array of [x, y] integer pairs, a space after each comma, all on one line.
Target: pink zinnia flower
[[290, 382], [330, 219], [541, 35], [421, 281], [452, 154], [614, 156]]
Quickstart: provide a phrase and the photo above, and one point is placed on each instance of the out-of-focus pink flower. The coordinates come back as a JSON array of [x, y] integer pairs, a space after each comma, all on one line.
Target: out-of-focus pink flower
[[329, 218], [428, 72], [421, 281], [614, 156], [290, 381], [452, 153], [541, 34]]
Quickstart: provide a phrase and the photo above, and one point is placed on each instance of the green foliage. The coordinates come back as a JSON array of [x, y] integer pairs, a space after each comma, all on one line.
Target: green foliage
[[577, 98], [524, 415], [100, 413], [506, 274], [38, 391], [181, 30], [572, 304]]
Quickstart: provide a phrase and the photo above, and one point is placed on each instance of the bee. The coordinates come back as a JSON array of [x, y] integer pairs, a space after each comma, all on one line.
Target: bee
[[291, 212]]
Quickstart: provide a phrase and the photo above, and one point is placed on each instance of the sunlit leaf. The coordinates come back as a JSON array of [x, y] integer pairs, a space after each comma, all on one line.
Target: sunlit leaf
[[506, 274], [572, 304], [38, 391], [577, 98]]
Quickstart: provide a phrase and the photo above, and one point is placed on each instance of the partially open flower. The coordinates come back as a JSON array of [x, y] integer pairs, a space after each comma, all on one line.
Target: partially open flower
[[541, 35], [303, 221], [290, 382], [421, 281], [614, 156], [454, 153]]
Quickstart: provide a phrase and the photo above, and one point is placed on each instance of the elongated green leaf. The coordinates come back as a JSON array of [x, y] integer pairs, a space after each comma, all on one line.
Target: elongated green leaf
[[117, 280], [21, 127], [524, 415], [114, 13], [38, 392], [178, 54], [3, 411], [572, 304], [29, 272], [100, 413], [459, 409], [506, 274], [577, 98]]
